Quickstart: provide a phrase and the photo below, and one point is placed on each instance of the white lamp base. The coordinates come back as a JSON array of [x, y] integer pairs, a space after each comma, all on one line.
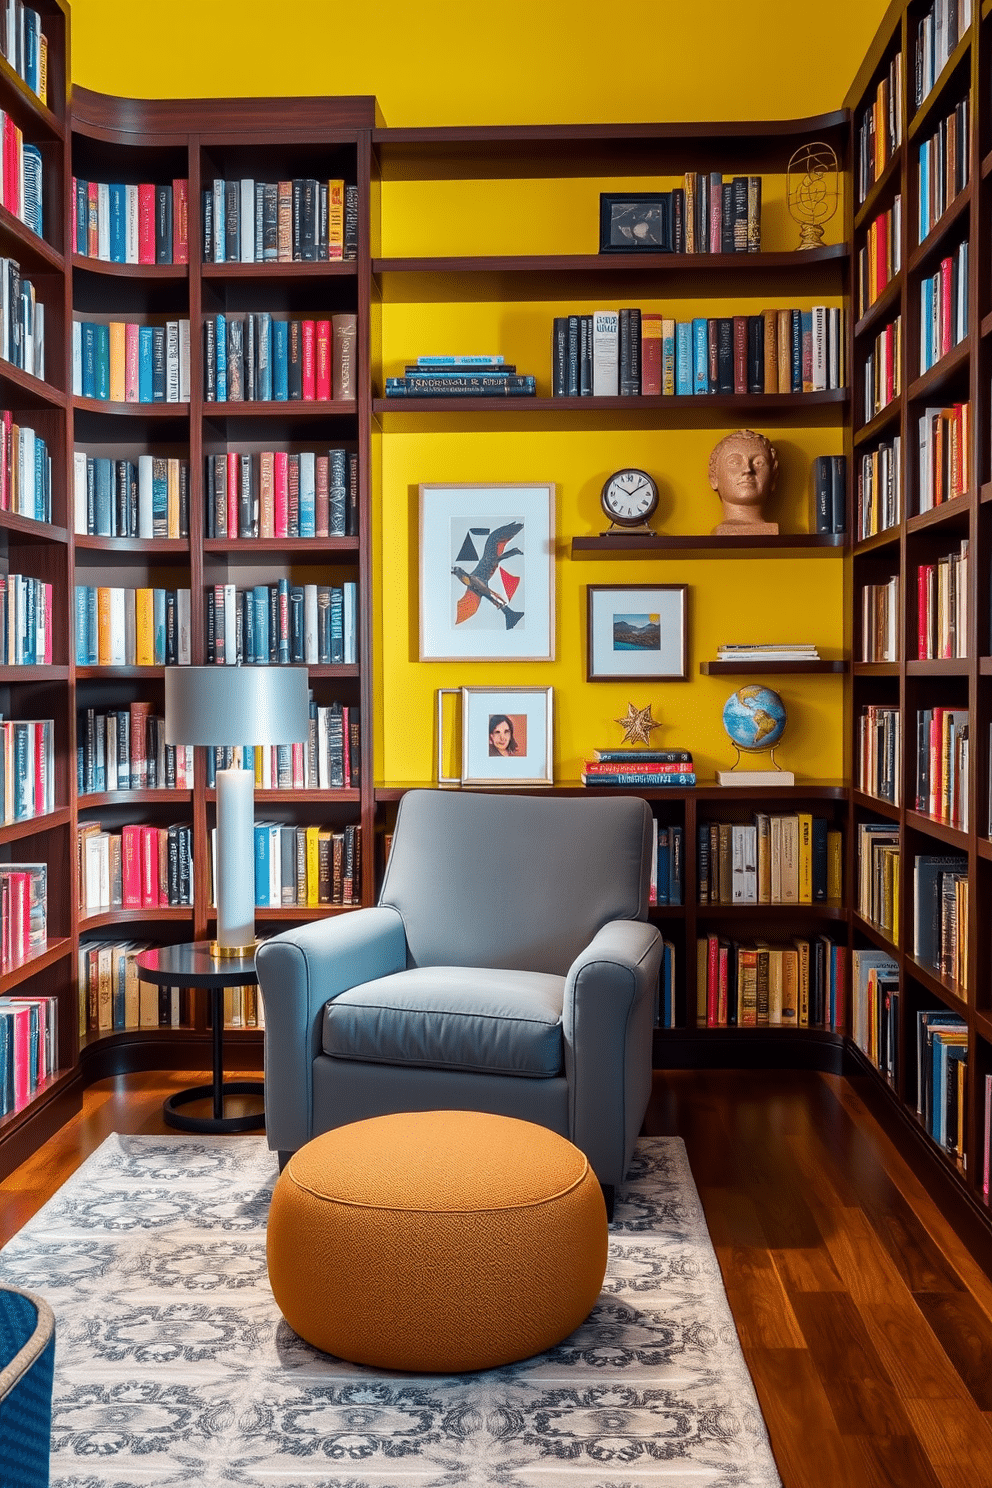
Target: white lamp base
[[235, 888]]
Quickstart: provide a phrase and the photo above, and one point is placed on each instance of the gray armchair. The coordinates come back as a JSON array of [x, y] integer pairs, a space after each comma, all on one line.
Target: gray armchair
[[506, 968]]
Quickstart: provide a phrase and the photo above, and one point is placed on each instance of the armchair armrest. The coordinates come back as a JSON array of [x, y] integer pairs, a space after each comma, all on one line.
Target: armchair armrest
[[607, 1022], [298, 972]]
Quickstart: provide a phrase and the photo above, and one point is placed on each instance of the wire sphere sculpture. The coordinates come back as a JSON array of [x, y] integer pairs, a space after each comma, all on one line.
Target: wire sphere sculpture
[[811, 181]]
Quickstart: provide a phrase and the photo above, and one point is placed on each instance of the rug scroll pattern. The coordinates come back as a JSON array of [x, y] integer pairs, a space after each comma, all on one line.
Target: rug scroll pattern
[[174, 1367]]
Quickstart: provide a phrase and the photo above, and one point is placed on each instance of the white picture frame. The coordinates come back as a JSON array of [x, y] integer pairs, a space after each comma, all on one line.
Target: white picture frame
[[507, 736], [487, 571]]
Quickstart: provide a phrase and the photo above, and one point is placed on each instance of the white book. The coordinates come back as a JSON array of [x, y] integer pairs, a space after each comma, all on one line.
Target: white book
[[819, 377], [110, 755], [183, 652], [737, 863], [247, 221], [77, 359], [184, 361], [131, 252], [605, 353], [103, 220], [130, 626], [172, 361], [275, 867], [310, 652], [833, 348], [775, 858], [230, 625], [79, 502], [118, 652], [323, 776], [26, 471], [39, 340]]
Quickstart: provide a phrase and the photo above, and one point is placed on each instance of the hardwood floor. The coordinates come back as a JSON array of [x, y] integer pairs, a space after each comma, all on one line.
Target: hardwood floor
[[866, 1324]]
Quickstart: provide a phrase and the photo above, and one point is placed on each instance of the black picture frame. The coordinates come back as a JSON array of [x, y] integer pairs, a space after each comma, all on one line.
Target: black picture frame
[[635, 222]]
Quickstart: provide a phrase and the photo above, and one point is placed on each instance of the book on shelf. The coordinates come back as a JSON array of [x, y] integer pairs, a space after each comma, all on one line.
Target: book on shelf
[[879, 751], [879, 493], [940, 913], [829, 476], [329, 760], [125, 223], [882, 371], [767, 651], [25, 45], [243, 1007], [657, 768], [144, 498], [280, 494], [467, 384], [880, 259], [111, 995], [28, 1047], [301, 220], [127, 362], [22, 321], [630, 352], [667, 863], [937, 33], [944, 467], [263, 358], [880, 614], [27, 768], [125, 749], [942, 606], [23, 912], [941, 1055], [25, 471], [799, 982], [878, 876], [281, 623], [139, 866], [879, 128], [875, 1008], [944, 308], [792, 858], [943, 166], [26, 630], [304, 866], [629, 757], [115, 626], [664, 1003], [942, 765]]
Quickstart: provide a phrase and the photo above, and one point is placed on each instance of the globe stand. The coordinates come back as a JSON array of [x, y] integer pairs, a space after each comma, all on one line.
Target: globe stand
[[736, 776]]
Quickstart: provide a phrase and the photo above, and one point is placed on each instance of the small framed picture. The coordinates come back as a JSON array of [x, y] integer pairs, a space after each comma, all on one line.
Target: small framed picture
[[636, 631], [487, 564], [506, 736], [635, 222]]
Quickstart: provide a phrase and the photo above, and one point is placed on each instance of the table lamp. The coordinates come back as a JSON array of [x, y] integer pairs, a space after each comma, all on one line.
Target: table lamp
[[215, 705]]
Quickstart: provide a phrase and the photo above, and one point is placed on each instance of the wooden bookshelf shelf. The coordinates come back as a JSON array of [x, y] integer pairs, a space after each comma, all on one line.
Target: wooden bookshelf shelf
[[947, 511], [936, 239], [934, 379], [33, 826], [883, 422], [27, 529], [28, 390], [879, 190], [876, 805], [34, 117], [295, 408], [795, 912], [881, 309], [83, 264], [939, 667], [274, 270], [878, 937], [772, 668], [317, 548], [160, 796], [131, 410], [57, 949], [640, 546], [887, 538], [943, 986], [171, 547], [955, 837], [675, 405], [927, 116]]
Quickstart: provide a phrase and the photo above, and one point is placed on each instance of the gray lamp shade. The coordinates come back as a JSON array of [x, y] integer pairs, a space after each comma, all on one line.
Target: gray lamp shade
[[221, 705]]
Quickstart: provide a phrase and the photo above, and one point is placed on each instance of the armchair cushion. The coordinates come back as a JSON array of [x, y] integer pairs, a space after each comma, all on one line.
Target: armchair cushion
[[452, 1017]]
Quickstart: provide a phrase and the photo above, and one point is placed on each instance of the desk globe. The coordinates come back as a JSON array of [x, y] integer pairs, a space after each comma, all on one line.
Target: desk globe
[[755, 718]]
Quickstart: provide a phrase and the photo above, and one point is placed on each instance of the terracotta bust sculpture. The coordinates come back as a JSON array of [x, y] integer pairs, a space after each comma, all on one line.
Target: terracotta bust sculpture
[[743, 468]]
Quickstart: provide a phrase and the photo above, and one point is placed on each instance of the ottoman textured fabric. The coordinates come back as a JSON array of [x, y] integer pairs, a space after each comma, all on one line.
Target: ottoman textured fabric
[[437, 1241]]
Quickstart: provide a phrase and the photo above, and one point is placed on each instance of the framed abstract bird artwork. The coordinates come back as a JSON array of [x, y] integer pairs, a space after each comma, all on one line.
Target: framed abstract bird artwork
[[487, 565]]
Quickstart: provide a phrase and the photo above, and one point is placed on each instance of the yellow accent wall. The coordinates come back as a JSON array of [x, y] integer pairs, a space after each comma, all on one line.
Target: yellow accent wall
[[458, 64]]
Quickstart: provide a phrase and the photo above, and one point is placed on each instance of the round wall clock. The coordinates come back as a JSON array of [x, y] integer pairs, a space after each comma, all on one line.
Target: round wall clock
[[629, 498]]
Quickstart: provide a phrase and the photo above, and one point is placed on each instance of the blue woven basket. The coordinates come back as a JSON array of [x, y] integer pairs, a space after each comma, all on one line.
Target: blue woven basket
[[27, 1362]]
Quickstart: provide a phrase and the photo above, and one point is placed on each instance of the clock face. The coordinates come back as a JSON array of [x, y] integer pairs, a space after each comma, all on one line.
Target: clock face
[[629, 497]]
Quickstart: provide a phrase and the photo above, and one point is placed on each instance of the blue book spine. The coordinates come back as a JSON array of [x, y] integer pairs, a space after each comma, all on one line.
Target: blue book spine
[[118, 223], [264, 372], [280, 361], [92, 627], [247, 602], [260, 597], [683, 358], [700, 356], [145, 359], [82, 217], [261, 865], [221, 323], [639, 778], [101, 356], [663, 856], [103, 508], [89, 359], [284, 657], [668, 1001], [308, 494], [797, 349], [158, 620], [82, 618], [675, 866]]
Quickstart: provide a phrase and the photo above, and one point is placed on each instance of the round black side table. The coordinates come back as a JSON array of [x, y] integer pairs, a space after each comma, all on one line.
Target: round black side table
[[192, 965]]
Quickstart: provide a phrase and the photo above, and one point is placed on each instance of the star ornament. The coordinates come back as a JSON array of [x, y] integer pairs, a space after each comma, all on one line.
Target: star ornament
[[638, 725]]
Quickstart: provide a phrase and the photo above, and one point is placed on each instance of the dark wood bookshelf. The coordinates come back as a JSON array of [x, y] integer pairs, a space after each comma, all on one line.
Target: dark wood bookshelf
[[926, 116], [941, 230], [83, 263], [882, 308], [772, 668], [716, 544]]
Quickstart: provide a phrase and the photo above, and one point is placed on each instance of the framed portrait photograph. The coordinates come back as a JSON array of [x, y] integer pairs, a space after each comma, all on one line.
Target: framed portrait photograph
[[506, 736], [487, 566], [636, 631], [635, 222]]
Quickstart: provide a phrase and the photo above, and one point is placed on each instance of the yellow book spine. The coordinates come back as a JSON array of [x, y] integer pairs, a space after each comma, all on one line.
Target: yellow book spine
[[805, 857], [313, 865], [172, 490], [144, 627], [790, 988], [335, 219], [667, 357], [117, 361]]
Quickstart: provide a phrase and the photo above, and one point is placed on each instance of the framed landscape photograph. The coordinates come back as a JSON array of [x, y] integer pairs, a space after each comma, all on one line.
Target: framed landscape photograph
[[636, 631], [487, 564], [506, 736], [635, 222]]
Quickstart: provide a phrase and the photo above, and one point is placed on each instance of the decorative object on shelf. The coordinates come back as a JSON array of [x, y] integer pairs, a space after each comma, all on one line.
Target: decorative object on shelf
[[506, 736], [461, 377], [811, 184], [743, 469], [636, 630], [639, 725], [656, 769], [635, 222], [755, 718], [487, 572], [768, 651], [443, 735], [629, 498], [236, 705]]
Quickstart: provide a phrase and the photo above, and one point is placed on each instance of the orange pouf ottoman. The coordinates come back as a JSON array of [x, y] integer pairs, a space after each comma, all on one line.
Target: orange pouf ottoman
[[437, 1241]]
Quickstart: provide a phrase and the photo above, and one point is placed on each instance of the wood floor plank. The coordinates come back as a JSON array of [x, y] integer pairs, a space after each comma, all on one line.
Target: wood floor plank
[[913, 1356], [809, 1450], [808, 1270], [758, 1299], [957, 1439], [866, 1267], [862, 1396], [732, 1218], [965, 1333], [896, 1462]]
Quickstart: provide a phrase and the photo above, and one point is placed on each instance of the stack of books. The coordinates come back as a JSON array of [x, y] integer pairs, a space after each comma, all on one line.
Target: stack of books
[[461, 377], [767, 651], [656, 768]]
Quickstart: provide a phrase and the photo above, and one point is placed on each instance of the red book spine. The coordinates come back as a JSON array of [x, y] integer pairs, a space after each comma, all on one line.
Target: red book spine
[[22, 1057], [649, 767], [723, 983], [10, 192], [299, 781], [131, 866], [20, 919], [38, 739], [890, 344], [47, 658], [323, 361], [146, 223], [650, 356], [932, 806], [921, 613], [6, 436], [4, 923], [712, 979], [946, 307], [162, 846], [882, 236], [93, 220], [309, 364], [149, 866], [233, 472], [131, 338], [281, 493], [180, 221]]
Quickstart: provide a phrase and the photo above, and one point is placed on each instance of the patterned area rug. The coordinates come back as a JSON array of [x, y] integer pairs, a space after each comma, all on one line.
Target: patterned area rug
[[174, 1368]]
